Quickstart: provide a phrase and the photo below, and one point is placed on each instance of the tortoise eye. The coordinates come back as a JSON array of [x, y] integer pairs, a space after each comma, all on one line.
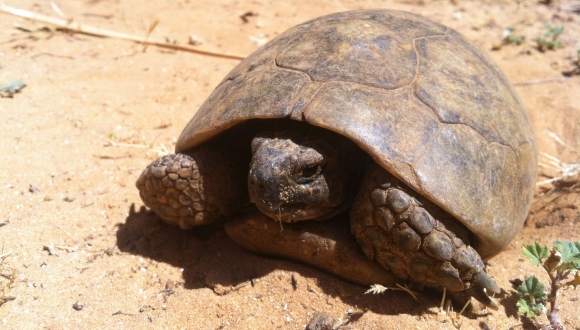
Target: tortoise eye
[[309, 174]]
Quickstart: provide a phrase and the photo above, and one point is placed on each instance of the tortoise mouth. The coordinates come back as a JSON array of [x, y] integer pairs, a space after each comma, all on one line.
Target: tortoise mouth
[[291, 212]]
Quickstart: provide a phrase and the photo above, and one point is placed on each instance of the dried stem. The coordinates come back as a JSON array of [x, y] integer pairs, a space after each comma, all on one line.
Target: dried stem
[[553, 316], [70, 25], [540, 81]]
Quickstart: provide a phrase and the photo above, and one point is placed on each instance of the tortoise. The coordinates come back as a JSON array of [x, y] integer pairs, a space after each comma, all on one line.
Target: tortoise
[[378, 117]]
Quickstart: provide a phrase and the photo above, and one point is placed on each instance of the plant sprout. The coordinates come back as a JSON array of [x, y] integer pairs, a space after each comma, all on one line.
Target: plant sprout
[[560, 262]]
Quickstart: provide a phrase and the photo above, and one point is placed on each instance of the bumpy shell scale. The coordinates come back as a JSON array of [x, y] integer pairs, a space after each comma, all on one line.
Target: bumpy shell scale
[[424, 103]]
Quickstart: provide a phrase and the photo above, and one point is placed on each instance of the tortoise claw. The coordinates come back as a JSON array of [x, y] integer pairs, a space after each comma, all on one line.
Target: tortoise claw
[[479, 294], [483, 280]]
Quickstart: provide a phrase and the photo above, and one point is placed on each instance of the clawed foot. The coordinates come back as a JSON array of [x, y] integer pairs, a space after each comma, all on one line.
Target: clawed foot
[[415, 239], [192, 189]]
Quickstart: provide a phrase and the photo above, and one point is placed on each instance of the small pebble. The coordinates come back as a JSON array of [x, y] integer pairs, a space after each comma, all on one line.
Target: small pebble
[[51, 250], [195, 40]]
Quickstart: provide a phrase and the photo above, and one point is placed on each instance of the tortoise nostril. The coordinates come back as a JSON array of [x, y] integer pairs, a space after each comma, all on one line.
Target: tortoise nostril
[[309, 174], [257, 185]]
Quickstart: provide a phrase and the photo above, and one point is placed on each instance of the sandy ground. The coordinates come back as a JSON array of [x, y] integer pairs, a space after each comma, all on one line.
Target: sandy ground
[[72, 146]]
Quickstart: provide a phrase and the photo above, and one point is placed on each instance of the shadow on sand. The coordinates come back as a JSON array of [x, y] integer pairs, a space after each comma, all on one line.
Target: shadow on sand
[[209, 258]]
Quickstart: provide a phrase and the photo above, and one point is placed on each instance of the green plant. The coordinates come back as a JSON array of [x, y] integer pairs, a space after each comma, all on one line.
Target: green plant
[[510, 38], [549, 40], [8, 89], [560, 262]]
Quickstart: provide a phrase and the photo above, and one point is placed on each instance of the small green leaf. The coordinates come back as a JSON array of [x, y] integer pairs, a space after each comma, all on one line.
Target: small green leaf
[[530, 310], [536, 252], [570, 254], [8, 89], [568, 250], [532, 290]]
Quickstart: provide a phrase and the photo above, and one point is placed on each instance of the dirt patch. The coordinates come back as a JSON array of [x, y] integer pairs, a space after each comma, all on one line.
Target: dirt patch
[[77, 250]]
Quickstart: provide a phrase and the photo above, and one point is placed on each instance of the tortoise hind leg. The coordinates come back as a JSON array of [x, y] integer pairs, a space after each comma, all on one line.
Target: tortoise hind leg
[[197, 187], [415, 239]]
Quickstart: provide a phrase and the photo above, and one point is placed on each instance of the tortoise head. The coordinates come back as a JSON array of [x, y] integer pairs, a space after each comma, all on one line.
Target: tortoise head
[[301, 175]]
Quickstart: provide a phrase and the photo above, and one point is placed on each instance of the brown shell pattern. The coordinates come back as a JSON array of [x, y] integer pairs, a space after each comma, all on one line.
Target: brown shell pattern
[[424, 103]]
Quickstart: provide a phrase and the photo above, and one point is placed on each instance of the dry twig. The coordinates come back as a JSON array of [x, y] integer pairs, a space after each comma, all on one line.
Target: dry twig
[[159, 151], [378, 288], [69, 25], [4, 255], [540, 81]]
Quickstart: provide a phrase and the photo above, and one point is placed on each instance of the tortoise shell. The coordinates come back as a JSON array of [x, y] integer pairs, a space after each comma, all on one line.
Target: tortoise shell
[[415, 95]]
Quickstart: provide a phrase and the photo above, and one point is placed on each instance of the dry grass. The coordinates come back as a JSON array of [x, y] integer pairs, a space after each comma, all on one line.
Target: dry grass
[[7, 277], [567, 175]]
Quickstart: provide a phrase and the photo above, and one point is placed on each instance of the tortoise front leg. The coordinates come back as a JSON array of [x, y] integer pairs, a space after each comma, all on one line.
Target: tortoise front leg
[[415, 239], [326, 245], [197, 187]]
